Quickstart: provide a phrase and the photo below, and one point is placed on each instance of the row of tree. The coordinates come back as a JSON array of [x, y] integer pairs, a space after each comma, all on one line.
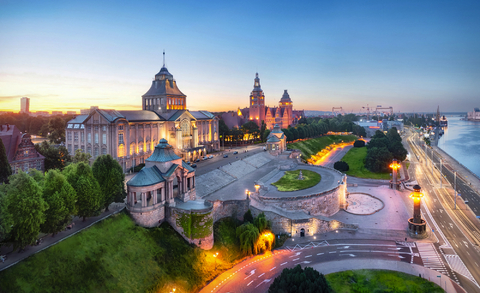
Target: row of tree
[[34, 202], [382, 149]]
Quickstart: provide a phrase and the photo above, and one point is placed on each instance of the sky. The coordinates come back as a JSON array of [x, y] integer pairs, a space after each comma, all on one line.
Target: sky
[[410, 55]]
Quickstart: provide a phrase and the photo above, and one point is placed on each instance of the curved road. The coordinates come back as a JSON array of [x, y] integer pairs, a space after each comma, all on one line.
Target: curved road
[[256, 274]]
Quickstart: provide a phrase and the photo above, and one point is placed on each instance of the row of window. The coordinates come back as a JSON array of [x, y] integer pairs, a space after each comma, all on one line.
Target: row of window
[[89, 137], [81, 126], [89, 150], [26, 166]]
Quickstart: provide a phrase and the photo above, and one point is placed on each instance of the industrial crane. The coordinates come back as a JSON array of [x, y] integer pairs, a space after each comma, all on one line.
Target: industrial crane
[[368, 111], [383, 108]]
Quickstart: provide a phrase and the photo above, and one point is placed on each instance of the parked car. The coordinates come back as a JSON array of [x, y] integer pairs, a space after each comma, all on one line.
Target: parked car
[[225, 156], [235, 152], [189, 163], [197, 160], [210, 157], [194, 165]]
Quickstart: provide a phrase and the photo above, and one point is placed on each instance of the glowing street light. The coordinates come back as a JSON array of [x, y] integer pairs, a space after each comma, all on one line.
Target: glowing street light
[[247, 192], [215, 256], [394, 165], [257, 187], [416, 225]]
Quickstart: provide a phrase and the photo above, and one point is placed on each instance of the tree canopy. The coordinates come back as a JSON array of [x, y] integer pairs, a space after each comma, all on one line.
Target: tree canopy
[[81, 156], [382, 149], [5, 168], [56, 157], [27, 209], [111, 179], [297, 280]]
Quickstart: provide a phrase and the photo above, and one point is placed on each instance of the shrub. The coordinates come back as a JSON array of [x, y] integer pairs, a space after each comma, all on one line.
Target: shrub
[[300, 280], [341, 166], [359, 143]]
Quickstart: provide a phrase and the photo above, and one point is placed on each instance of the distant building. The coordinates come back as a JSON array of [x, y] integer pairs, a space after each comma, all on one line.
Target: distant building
[[87, 111], [276, 141], [283, 115], [25, 105], [21, 152], [42, 113], [57, 113], [71, 112], [130, 136], [474, 115]]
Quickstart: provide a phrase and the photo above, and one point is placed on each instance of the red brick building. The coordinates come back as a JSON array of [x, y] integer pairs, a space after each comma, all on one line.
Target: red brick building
[[21, 152]]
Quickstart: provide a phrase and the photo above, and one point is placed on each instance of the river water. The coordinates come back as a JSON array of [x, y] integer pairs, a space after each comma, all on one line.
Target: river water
[[462, 141]]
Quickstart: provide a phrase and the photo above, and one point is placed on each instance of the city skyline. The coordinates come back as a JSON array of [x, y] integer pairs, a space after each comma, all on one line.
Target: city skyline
[[411, 56]]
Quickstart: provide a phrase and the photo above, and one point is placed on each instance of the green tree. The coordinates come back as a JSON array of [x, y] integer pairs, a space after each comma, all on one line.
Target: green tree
[[261, 222], [398, 151], [297, 279], [248, 217], [341, 166], [6, 220], [111, 179], [248, 236], [5, 168], [37, 175], [81, 156], [294, 132], [359, 143], [56, 157], [378, 159], [27, 208], [89, 197], [250, 128], [288, 134], [301, 132], [60, 197], [56, 127], [266, 134], [263, 127]]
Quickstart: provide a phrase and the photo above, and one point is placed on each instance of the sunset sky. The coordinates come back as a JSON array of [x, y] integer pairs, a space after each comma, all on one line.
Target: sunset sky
[[412, 55]]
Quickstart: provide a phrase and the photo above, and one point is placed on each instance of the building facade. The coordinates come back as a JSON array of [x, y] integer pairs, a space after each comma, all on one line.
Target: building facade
[[283, 115], [25, 105], [474, 115], [130, 136], [21, 152]]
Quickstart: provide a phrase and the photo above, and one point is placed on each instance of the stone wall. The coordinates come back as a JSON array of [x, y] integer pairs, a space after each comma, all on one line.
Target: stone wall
[[229, 208], [195, 226], [151, 218], [321, 204]]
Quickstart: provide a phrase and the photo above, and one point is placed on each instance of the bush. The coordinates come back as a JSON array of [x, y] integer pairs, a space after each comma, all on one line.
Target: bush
[[341, 166], [137, 168], [359, 143]]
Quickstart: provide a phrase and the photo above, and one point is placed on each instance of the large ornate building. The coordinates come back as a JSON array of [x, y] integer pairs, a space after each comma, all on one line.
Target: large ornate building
[[20, 150], [283, 115], [130, 136]]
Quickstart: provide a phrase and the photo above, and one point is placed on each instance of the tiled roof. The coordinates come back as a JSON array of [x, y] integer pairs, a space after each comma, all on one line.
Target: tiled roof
[[171, 170], [186, 166], [164, 87], [146, 177], [110, 115], [141, 115], [79, 119], [175, 115], [202, 115], [163, 153], [273, 138]]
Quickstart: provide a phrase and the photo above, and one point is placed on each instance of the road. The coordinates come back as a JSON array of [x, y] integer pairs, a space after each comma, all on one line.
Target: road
[[453, 228], [257, 273]]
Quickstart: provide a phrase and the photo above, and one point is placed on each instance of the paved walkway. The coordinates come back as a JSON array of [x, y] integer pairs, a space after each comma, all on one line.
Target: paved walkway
[[13, 257]]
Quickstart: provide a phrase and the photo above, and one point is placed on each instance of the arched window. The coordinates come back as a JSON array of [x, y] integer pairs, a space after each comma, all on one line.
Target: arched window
[[121, 150], [185, 125]]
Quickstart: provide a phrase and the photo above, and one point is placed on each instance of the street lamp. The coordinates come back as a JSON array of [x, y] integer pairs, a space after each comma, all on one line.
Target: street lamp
[[394, 165], [257, 187], [455, 186], [416, 225], [247, 192], [215, 256]]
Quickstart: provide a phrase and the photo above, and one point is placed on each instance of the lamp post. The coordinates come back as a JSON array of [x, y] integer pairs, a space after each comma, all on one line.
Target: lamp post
[[247, 192], [416, 225], [455, 186], [395, 165], [257, 187], [215, 256], [441, 176]]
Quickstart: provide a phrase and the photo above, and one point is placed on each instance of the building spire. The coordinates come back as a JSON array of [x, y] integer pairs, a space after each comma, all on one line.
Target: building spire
[[163, 57]]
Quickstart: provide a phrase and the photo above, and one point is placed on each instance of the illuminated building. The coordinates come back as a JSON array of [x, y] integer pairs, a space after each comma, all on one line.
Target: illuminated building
[[130, 136], [25, 105]]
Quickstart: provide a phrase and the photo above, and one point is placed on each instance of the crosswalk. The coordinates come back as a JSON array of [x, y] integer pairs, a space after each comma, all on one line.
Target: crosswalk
[[406, 244], [431, 259], [458, 266]]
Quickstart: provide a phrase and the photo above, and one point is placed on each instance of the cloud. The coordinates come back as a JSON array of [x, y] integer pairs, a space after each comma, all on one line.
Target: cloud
[[17, 97]]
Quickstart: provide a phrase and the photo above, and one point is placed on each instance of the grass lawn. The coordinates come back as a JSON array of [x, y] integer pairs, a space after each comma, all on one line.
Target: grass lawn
[[115, 255], [313, 146], [290, 181], [379, 281], [355, 159]]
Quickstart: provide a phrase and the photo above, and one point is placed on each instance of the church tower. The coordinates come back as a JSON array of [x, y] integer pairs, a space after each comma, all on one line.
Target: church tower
[[285, 107], [257, 103], [164, 94]]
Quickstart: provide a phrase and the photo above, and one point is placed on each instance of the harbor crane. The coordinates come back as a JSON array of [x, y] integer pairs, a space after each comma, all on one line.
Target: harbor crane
[[335, 113], [383, 108], [368, 111]]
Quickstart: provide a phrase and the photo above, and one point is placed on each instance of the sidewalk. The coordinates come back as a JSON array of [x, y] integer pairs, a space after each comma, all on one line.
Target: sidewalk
[[13, 257]]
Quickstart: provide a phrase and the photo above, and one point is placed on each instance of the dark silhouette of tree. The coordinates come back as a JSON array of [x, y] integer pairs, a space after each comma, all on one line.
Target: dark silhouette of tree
[[111, 179], [5, 168], [297, 280], [341, 166]]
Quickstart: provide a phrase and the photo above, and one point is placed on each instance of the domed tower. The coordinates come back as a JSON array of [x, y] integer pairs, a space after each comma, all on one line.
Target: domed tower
[[286, 107], [164, 94], [257, 103]]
